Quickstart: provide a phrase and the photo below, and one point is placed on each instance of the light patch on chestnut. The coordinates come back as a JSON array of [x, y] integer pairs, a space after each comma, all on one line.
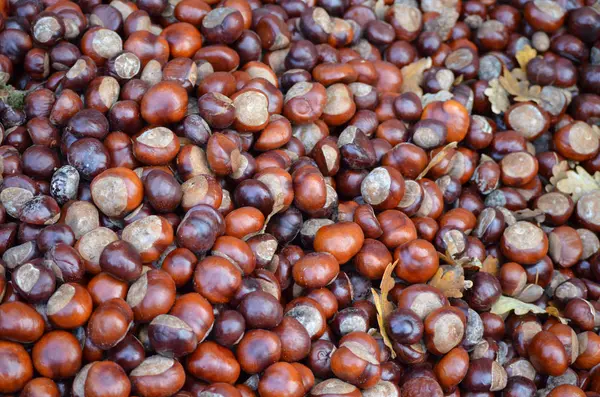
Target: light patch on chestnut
[[299, 89], [353, 322], [552, 8], [193, 189], [19, 254], [591, 243], [553, 99], [381, 389], [309, 134], [517, 164], [553, 203], [152, 73], [412, 193], [80, 378], [137, 291], [159, 137], [198, 161], [333, 387], [459, 59], [216, 17], [167, 320], [274, 185], [27, 276], [330, 155], [251, 108], [152, 366], [107, 43], [82, 217], [425, 303], [78, 68], [360, 89], [524, 236], [347, 136], [588, 207], [265, 250], [375, 188], [445, 78], [143, 233], [110, 195], [523, 367], [45, 29], [499, 377], [60, 299], [527, 120], [109, 91], [582, 138], [339, 99], [309, 317], [448, 332], [239, 164], [91, 244], [359, 351], [13, 199], [322, 19], [407, 16]]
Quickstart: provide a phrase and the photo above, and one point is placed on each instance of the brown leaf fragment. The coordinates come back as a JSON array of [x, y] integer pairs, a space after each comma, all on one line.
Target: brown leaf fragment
[[516, 84], [525, 55], [490, 265], [450, 279], [437, 158], [498, 96], [412, 76], [505, 305], [529, 214], [383, 305], [381, 322], [578, 182]]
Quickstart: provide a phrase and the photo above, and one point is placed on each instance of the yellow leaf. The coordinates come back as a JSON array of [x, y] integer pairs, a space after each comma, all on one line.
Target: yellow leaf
[[525, 55], [505, 305], [498, 97], [490, 265], [383, 305], [449, 279], [438, 157], [387, 283], [577, 183], [517, 85], [381, 322], [554, 312], [412, 76]]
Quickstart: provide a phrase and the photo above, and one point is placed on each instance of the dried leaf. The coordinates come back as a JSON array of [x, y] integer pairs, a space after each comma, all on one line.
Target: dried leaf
[[525, 55], [412, 76], [505, 305], [381, 322], [440, 96], [519, 86], [527, 214], [554, 312], [578, 182], [498, 97], [383, 305], [450, 279], [437, 158], [387, 283], [458, 80], [490, 265], [559, 172]]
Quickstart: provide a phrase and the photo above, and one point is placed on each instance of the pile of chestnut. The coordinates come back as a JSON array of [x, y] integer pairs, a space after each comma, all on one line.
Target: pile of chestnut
[[201, 198]]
